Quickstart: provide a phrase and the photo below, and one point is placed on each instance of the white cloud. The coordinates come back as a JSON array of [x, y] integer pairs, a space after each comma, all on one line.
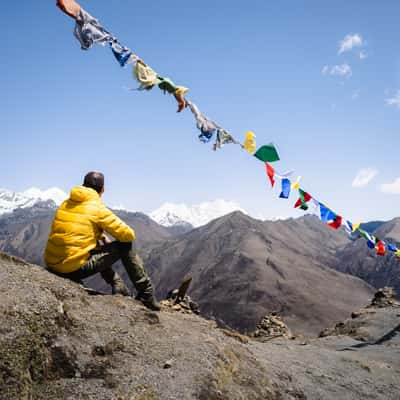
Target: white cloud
[[364, 177], [394, 101], [343, 70], [325, 69], [393, 188], [349, 42], [363, 55], [355, 95]]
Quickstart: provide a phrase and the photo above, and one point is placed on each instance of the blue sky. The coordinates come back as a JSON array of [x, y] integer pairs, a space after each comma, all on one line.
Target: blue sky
[[270, 67]]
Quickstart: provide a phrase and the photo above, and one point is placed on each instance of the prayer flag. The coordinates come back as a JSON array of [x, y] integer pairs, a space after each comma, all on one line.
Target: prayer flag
[[370, 239], [326, 213], [249, 143], [89, 31], [166, 85], [145, 75], [204, 124], [356, 226], [121, 53], [304, 197], [222, 138], [283, 176], [392, 248], [267, 153], [380, 247], [336, 223], [205, 137], [348, 226], [285, 189], [178, 94], [296, 185], [270, 173]]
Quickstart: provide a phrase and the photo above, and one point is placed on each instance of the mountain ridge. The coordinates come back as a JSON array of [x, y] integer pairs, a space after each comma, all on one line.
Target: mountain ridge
[[237, 258]]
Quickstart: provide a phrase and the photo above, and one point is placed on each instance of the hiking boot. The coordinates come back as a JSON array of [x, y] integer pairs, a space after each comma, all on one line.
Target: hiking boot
[[149, 301], [115, 281], [118, 286]]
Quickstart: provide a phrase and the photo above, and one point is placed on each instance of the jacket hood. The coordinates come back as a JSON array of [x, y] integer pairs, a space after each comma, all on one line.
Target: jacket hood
[[82, 193]]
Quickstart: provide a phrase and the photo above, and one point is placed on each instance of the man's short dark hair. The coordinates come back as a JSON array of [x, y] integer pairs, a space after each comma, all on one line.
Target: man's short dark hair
[[94, 180]]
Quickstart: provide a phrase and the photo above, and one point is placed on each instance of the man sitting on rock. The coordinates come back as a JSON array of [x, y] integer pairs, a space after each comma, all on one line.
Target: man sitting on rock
[[77, 247]]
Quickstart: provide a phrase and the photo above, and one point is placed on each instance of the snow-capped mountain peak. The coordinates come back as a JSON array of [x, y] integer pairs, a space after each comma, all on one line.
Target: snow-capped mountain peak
[[9, 200], [171, 214], [54, 193]]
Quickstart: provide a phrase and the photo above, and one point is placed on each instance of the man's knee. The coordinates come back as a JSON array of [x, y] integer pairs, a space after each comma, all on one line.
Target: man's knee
[[124, 247]]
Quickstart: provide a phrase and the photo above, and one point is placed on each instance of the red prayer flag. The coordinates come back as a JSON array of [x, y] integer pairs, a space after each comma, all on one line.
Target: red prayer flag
[[299, 202], [270, 173], [303, 199], [380, 247], [336, 223]]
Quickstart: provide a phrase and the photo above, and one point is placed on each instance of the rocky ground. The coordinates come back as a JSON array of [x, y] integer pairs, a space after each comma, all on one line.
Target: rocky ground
[[59, 342]]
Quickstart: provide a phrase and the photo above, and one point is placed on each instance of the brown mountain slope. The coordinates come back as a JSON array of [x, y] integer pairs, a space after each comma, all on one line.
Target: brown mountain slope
[[359, 260], [57, 342], [243, 268]]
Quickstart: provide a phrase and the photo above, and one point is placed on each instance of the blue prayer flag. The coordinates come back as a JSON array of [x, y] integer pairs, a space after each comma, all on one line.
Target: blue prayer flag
[[285, 189], [392, 248], [122, 54], [205, 137], [326, 214]]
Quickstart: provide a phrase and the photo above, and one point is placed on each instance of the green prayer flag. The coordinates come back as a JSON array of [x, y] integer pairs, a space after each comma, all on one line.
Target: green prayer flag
[[167, 85], [363, 233], [267, 153]]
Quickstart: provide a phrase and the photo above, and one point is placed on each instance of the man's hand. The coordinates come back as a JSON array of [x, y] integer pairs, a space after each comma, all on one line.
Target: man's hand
[[69, 7], [105, 239]]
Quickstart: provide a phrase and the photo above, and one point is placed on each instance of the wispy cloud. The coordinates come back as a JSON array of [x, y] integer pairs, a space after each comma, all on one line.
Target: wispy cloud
[[363, 55], [393, 187], [355, 95], [349, 42], [343, 70], [394, 101], [364, 177]]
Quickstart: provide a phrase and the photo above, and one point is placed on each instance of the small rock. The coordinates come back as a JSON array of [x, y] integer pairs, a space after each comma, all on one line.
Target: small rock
[[168, 364]]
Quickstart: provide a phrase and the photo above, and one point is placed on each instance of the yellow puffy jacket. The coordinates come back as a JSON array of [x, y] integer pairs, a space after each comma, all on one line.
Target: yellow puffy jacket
[[77, 227]]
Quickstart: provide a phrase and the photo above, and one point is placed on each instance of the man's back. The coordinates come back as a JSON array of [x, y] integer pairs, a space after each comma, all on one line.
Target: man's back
[[78, 226]]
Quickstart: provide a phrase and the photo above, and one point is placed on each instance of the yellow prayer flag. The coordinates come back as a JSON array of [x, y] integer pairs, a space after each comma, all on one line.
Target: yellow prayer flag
[[145, 74], [250, 144], [296, 185], [356, 225], [181, 90]]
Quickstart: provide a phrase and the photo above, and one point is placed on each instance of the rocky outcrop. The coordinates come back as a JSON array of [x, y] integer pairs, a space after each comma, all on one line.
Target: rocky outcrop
[[375, 323], [385, 297], [59, 342], [270, 327]]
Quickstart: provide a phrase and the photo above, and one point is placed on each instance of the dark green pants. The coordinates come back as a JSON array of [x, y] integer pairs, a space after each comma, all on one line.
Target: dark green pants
[[101, 260]]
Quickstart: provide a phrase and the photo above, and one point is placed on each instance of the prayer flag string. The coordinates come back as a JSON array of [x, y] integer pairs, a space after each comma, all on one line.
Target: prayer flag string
[[89, 31]]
